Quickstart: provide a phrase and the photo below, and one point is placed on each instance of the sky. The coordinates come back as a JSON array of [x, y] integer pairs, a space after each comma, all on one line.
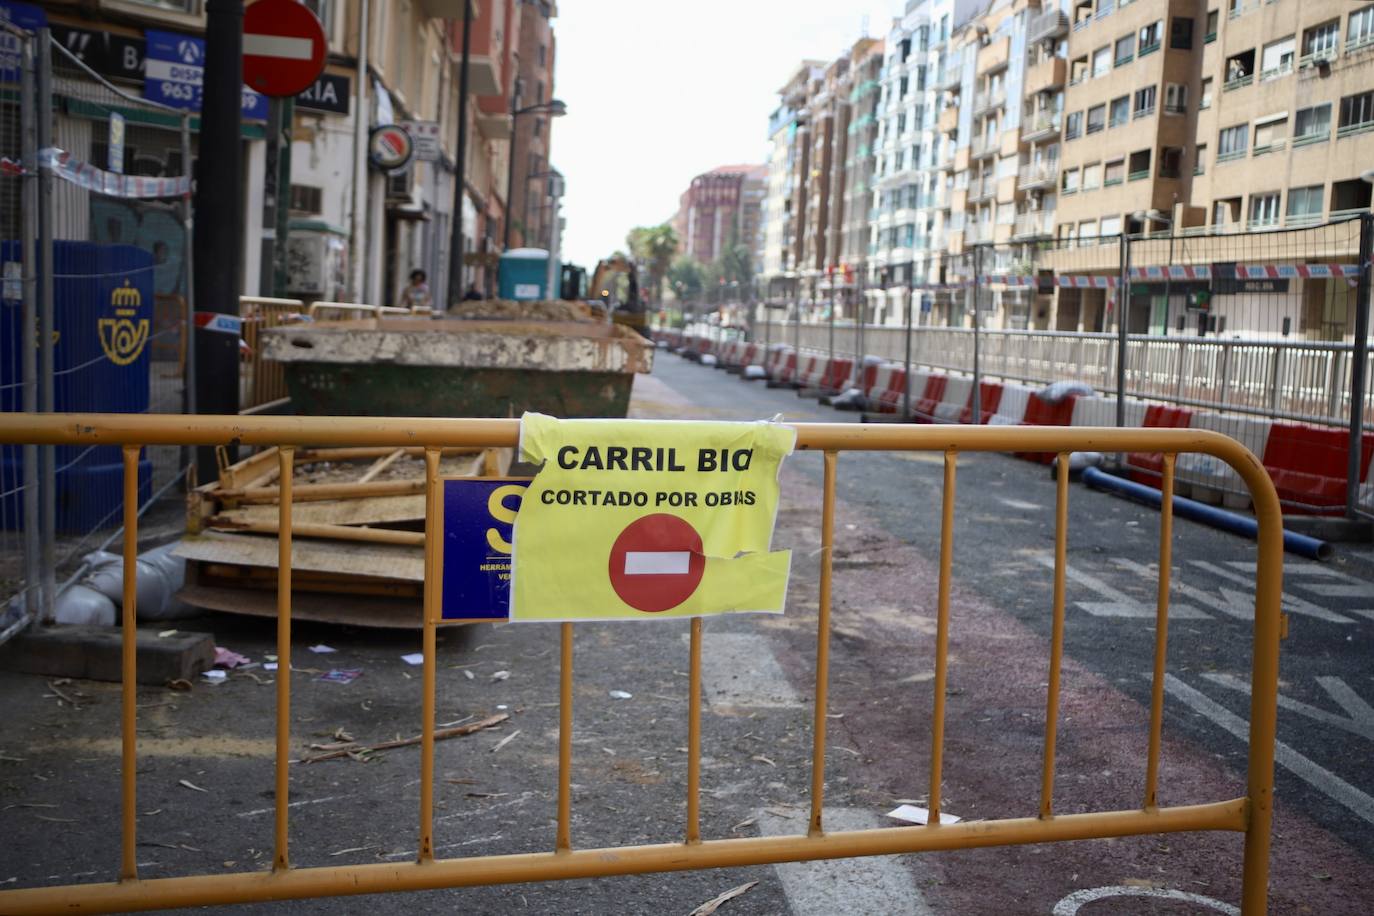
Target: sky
[[658, 93]]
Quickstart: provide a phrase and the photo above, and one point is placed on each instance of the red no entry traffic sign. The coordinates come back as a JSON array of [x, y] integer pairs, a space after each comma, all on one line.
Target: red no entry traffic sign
[[657, 562], [283, 47]]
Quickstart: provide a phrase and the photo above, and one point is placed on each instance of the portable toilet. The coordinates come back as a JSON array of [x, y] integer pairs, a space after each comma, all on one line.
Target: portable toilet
[[525, 274]]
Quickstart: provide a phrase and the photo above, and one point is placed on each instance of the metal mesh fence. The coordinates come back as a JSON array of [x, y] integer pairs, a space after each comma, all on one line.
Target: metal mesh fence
[[1250, 334], [108, 305]]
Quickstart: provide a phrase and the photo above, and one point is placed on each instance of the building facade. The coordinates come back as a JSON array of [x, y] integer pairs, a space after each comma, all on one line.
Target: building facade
[[535, 188], [719, 208]]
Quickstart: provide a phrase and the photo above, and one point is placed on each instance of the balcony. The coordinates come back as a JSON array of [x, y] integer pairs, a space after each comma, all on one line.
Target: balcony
[[984, 146], [986, 101], [1032, 224], [1145, 49], [1046, 75], [1047, 25], [978, 233], [951, 77], [1274, 146], [994, 55], [1138, 176], [1299, 220], [1311, 60], [1239, 82], [1350, 130], [982, 188], [1309, 139], [1042, 127], [1262, 224], [1274, 73], [1038, 175]]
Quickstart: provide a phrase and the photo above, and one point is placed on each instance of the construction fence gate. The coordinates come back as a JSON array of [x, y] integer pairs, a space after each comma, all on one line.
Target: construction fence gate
[[1248, 814], [95, 187]]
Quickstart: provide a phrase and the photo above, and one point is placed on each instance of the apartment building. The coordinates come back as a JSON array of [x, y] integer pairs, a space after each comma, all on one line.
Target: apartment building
[[535, 189], [355, 231], [789, 162], [719, 208], [865, 91]]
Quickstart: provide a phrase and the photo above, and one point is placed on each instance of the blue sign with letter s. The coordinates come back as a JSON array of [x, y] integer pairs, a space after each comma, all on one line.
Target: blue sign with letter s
[[478, 535]]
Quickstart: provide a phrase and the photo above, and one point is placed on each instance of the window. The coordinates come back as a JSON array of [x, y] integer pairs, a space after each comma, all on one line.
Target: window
[[1181, 33], [1240, 70], [1200, 159], [1360, 32], [1073, 125], [1121, 111], [1175, 98], [1111, 225], [1070, 183], [1304, 205], [1145, 102], [1114, 172], [1097, 118], [1125, 50], [1102, 61], [901, 122], [1357, 114], [543, 55], [1231, 143], [306, 199], [1226, 211], [1138, 167], [901, 88], [1211, 35], [1092, 176], [1277, 59], [1264, 210], [1087, 229], [1312, 125], [1078, 71], [1205, 101], [1170, 162], [1270, 135], [1149, 38], [1320, 42]]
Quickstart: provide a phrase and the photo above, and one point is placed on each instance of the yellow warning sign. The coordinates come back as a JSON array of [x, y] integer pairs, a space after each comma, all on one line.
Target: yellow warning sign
[[648, 518]]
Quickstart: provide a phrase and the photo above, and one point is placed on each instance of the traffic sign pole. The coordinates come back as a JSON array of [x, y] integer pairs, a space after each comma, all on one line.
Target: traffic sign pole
[[217, 239]]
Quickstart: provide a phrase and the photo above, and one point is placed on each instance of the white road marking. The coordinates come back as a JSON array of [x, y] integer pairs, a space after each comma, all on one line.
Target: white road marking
[[878, 885], [313, 801], [1230, 604], [1018, 503], [282, 46], [738, 669], [1291, 604], [1072, 903], [1358, 718], [1320, 778], [1341, 591], [1118, 604], [657, 562]]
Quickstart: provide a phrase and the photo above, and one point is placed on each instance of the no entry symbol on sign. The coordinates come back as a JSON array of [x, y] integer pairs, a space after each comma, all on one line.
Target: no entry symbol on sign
[[656, 563]]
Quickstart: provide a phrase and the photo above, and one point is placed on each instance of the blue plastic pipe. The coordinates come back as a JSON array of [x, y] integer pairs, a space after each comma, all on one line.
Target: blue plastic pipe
[[1300, 544]]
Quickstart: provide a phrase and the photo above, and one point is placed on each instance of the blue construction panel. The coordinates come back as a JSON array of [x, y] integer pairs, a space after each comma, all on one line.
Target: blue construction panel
[[103, 319]]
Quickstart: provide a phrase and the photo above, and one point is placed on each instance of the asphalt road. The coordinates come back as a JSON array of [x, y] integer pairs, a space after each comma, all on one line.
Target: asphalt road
[[496, 794]]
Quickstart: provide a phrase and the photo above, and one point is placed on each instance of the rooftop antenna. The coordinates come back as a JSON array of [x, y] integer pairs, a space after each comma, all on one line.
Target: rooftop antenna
[[863, 26]]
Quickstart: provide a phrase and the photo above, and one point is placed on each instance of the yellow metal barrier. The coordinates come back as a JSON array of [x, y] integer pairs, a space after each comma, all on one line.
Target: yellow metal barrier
[[264, 381], [1250, 814]]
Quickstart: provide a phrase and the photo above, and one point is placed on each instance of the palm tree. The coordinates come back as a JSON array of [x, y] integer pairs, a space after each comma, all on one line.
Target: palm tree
[[654, 247]]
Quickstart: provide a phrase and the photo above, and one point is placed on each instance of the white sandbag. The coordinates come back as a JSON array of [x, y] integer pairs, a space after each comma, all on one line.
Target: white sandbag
[[81, 605]]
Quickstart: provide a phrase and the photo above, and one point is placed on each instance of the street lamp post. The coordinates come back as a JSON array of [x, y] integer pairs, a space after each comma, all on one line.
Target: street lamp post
[[554, 108]]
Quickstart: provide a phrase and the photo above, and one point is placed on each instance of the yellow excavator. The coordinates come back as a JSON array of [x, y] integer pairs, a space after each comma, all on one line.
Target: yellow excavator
[[632, 311]]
